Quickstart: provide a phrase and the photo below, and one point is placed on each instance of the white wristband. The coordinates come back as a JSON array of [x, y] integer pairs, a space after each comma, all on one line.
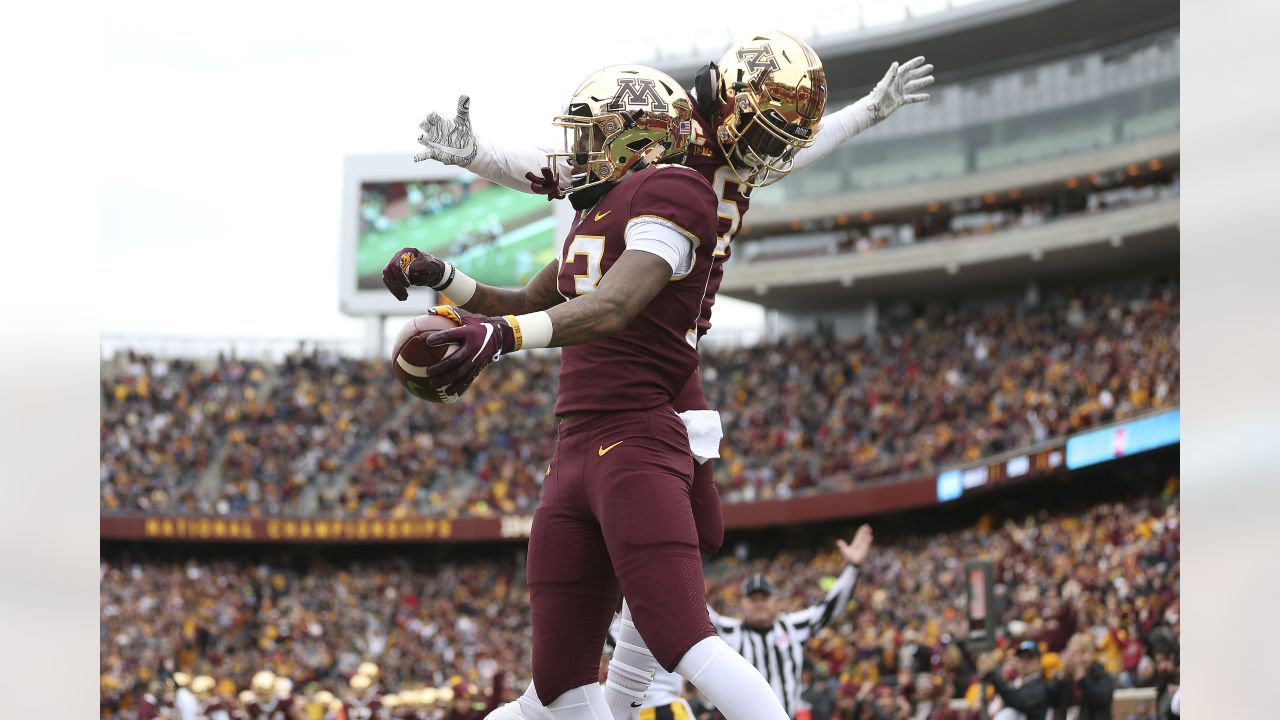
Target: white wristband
[[461, 289], [532, 330]]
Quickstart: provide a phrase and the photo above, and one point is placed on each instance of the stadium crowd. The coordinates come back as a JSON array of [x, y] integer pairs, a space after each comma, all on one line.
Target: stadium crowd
[[324, 409], [802, 415], [816, 414], [163, 422], [1106, 574]]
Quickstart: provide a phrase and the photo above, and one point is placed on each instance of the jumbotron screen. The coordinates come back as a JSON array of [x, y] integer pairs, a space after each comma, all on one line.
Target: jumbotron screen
[[494, 234]]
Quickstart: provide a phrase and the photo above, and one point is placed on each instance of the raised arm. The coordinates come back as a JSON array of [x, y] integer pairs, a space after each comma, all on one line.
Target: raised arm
[[721, 623], [452, 142], [899, 86], [814, 617]]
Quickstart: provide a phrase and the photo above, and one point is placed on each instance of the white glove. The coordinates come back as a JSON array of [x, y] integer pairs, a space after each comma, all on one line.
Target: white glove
[[448, 141], [898, 87]]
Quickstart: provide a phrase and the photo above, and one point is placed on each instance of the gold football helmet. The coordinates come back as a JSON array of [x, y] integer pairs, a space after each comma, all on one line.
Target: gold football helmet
[[283, 687], [245, 697], [202, 685], [360, 682], [263, 684], [181, 679], [622, 118], [770, 96], [368, 668]]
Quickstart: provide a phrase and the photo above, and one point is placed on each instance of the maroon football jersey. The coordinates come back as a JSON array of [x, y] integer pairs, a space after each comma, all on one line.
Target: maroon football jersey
[[273, 709], [732, 199], [366, 708], [214, 709], [648, 362], [149, 707]]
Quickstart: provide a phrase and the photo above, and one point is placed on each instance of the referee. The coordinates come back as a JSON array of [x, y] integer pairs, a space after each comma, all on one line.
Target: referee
[[775, 643]]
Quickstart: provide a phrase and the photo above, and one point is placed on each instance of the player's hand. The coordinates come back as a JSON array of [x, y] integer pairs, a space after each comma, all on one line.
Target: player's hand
[[900, 86], [856, 551], [546, 185], [410, 266], [448, 141], [480, 340]]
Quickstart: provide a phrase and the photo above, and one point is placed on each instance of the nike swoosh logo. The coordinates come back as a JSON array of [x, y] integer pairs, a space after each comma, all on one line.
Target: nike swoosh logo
[[600, 215], [604, 449], [488, 331], [461, 152], [636, 704]]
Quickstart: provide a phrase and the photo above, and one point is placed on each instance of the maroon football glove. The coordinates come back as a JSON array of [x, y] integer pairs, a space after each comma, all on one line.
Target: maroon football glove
[[410, 266], [481, 340], [545, 185]]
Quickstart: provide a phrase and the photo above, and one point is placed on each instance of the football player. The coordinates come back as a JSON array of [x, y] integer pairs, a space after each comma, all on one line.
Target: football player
[[624, 301], [364, 702], [266, 705], [756, 120], [185, 704], [212, 707]]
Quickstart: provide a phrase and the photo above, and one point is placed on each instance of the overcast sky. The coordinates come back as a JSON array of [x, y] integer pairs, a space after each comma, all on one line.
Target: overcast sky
[[223, 143]]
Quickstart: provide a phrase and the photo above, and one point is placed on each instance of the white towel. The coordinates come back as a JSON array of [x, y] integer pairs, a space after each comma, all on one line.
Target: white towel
[[704, 431]]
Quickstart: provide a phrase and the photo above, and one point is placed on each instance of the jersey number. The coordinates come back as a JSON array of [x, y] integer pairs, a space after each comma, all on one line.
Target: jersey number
[[591, 246], [726, 209]]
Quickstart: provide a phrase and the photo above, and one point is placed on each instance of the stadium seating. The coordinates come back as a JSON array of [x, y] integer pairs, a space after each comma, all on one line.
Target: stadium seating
[[333, 436], [314, 619]]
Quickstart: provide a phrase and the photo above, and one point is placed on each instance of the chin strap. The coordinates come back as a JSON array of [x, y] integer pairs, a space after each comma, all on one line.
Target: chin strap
[[704, 84], [583, 199]]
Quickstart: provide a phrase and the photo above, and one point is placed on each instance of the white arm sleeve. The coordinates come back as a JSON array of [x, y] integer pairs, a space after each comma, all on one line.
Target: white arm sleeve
[[508, 165], [657, 236], [837, 128]]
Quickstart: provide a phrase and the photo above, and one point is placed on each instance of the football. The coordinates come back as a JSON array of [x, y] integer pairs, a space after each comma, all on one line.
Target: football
[[411, 357]]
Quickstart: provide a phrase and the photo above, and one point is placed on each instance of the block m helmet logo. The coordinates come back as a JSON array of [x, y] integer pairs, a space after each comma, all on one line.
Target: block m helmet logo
[[636, 93], [758, 60]]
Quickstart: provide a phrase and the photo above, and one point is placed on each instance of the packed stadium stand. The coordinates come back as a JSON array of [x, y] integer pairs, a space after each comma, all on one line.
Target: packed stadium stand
[[971, 342], [1069, 560], [332, 435]]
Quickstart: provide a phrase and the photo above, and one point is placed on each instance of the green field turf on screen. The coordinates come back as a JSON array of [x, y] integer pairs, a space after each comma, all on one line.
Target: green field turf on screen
[[511, 260]]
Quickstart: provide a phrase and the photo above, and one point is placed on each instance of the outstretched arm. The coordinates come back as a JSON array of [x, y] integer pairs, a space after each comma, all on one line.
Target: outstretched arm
[[452, 142], [813, 618], [901, 85]]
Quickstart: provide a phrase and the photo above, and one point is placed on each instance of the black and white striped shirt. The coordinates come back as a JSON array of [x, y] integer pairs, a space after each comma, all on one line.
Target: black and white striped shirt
[[778, 653]]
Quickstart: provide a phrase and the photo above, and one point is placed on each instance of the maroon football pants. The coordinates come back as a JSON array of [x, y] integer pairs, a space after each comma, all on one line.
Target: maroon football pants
[[615, 517]]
